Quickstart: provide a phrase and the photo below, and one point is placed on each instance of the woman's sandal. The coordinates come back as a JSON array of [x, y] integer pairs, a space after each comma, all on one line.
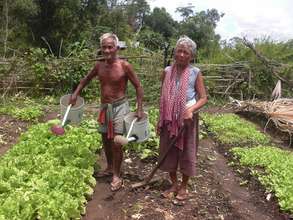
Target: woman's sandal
[[115, 186], [180, 198], [178, 202], [169, 193], [182, 195]]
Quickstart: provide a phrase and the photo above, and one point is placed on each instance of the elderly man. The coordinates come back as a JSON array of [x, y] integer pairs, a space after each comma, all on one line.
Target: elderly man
[[113, 75]]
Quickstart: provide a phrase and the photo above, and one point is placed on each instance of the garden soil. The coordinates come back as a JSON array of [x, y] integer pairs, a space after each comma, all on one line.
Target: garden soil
[[215, 193], [10, 129]]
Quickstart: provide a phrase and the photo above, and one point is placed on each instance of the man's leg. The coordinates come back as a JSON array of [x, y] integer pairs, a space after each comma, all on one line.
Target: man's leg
[[118, 117], [108, 152], [117, 161]]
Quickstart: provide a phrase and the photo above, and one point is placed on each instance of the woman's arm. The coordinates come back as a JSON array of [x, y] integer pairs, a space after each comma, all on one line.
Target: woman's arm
[[202, 97]]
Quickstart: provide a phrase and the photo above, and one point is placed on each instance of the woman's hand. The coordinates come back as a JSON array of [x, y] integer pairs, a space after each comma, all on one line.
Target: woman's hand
[[188, 114]]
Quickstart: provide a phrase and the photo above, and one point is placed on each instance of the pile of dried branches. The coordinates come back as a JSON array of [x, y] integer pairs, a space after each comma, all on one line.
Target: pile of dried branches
[[279, 111]]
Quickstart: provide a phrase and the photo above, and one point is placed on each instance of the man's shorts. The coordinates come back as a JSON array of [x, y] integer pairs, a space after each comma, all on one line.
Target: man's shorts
[[119, 112]]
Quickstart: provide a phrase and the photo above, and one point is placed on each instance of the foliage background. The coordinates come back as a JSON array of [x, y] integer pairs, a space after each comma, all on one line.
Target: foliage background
[[53, 42]]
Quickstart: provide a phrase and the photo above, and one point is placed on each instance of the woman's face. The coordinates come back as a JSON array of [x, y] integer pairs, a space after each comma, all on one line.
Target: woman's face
[[183, 54]]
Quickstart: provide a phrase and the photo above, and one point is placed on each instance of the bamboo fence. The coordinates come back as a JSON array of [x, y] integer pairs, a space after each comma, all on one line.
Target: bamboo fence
[[221, 79]]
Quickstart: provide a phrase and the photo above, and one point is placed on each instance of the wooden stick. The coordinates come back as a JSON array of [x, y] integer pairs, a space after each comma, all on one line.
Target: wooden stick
[[154, 170]]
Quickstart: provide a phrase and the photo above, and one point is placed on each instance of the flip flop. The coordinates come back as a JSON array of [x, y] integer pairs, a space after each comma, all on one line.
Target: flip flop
[[178, 202], [103, 174], [169, 193], [116, 185], [182, 196]]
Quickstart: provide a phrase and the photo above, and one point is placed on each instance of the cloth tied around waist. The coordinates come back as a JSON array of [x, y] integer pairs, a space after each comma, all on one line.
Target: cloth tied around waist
[[106, 115]]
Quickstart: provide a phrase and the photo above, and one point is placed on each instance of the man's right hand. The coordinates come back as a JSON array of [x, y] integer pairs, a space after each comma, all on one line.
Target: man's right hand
[[72, 100]]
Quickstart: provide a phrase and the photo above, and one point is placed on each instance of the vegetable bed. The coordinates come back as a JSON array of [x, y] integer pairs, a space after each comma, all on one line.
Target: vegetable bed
[[272, 166], [46, 176]]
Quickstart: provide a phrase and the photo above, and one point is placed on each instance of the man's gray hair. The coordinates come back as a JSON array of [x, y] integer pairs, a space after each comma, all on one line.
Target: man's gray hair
[[184, 40], [109, 35]]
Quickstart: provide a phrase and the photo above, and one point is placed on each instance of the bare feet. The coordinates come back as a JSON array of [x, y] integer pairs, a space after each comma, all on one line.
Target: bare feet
[[169, 193], [116, 184]]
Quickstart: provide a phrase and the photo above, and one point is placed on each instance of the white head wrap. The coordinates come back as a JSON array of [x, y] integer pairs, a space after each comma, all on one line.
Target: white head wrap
[[184, 40]]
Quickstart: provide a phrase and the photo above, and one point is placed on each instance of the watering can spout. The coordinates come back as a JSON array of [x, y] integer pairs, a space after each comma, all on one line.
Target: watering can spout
[[119, 139]]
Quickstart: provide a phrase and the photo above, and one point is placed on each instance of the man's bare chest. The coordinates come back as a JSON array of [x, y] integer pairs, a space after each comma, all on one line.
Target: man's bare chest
[[111, 74]]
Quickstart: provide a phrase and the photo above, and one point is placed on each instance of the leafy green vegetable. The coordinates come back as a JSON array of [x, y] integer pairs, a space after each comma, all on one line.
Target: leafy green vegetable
[[46, 176], [29, 111], [277, 174], [232, 130]]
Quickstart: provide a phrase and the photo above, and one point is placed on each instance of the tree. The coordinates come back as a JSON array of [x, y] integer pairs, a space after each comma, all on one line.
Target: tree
[[116, 21], [136, 12], [161, 21], [185, 11], [201, 28], [151, 40], [49, 23], [15, 32]]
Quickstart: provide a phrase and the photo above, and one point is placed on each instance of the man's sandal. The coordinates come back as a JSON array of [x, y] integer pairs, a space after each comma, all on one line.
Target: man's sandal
[[104, 173], [116, 185]]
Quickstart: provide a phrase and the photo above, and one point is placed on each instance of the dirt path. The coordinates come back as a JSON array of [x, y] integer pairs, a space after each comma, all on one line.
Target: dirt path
[[215, 193], [10, 130], [248, 201]]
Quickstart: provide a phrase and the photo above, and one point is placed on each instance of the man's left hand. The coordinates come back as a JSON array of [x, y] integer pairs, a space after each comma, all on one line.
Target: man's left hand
[[139, 113]]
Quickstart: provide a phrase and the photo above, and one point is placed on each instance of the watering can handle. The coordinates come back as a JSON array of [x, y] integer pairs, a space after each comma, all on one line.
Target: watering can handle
[[66, 114], [131, 126]]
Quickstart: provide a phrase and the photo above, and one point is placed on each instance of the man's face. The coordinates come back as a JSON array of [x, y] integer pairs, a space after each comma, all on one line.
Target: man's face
[[109, 49], [183, 55]]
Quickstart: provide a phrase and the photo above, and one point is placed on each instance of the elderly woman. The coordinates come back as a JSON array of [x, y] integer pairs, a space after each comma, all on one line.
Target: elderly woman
[[182, 95]]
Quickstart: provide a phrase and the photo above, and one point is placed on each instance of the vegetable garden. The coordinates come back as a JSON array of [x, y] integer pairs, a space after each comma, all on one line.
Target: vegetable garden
[[48, 46], [243, 173], [44, 176]]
